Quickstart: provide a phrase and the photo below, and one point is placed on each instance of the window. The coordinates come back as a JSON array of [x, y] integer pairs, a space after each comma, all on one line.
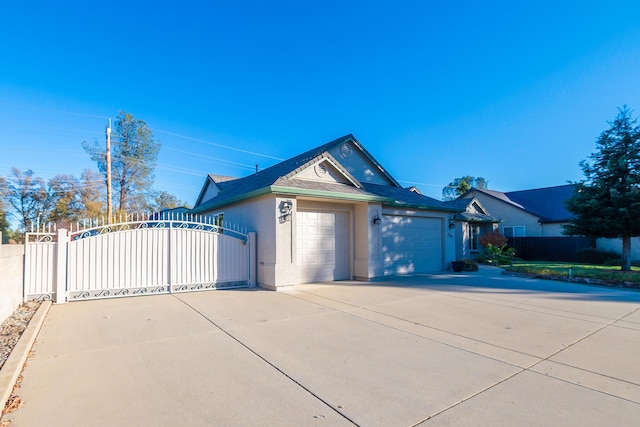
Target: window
[[218, 219], [514, 231], [474, 230]]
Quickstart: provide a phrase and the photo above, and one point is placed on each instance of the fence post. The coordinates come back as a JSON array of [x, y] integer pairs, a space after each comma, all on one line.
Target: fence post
[[60, 281], [251, 240]]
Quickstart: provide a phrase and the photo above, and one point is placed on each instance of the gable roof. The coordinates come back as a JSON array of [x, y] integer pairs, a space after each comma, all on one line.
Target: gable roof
[[467, 216], [545, 203], [278, 179]]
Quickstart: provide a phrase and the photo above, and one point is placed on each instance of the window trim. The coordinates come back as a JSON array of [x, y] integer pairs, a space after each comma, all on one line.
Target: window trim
[[474, 234], [513, 231]]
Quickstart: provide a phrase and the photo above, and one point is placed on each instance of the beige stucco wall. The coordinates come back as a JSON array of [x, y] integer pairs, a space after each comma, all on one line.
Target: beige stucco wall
[[11, 278], [277, 238], [368, 252], [358, 165], [511, 216], [552, 230], [259, 215], [616, 246], [462, 241]]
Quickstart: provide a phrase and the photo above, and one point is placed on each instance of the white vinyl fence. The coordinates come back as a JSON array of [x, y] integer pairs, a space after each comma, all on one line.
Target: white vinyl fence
[[149, 255]]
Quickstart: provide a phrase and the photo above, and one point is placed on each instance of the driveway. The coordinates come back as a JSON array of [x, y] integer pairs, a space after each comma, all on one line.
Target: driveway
[[460, 349]]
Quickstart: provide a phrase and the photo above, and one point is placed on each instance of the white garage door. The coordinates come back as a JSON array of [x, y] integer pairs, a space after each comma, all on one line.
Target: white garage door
[[322, 246], [411, 245]]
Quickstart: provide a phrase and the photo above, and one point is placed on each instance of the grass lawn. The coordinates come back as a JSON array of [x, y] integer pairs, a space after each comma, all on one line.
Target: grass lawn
[[567, 269]]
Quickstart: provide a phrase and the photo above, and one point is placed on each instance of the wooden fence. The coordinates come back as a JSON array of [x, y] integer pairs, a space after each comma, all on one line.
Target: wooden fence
[[550, 248]]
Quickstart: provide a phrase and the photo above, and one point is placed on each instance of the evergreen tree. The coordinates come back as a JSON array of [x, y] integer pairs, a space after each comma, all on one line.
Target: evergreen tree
[[607, 202], [459, 186], [133, 152], [4, 224]]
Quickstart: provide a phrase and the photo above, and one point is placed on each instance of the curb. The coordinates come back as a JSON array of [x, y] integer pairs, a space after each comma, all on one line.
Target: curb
[[14, 364], [628, 286]]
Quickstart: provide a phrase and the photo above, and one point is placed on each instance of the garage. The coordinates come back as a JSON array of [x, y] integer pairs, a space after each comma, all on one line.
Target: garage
[[411, 244], [322, 246]]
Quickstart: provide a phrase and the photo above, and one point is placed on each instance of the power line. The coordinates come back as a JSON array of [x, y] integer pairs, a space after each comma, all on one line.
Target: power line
[[250, 167], [422, 183], [217, 145]]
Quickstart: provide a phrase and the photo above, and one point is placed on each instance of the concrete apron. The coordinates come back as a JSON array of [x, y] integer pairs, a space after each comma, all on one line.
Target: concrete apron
[[464, 349]]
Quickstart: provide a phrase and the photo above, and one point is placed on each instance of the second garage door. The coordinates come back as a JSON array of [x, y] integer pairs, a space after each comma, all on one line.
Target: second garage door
[[322, 246], [411, 244]]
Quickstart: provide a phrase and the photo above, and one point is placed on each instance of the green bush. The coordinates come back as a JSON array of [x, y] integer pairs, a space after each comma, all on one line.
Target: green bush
[[497, 255], [598, 256]]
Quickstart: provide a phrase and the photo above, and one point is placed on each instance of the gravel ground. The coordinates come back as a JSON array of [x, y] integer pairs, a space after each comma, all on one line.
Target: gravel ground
[[13, 327]]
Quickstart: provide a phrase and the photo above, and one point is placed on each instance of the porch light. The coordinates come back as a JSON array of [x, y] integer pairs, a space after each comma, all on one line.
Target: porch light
[[286, 207], [377, 220], [452, 222]]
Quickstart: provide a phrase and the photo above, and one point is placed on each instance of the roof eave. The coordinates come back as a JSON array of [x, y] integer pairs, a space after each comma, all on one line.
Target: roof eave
[[274, 189], [215, 205], [328, 194], [397, 204]]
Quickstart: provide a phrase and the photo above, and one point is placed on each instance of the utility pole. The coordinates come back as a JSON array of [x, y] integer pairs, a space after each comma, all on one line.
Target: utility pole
[[108, 155]]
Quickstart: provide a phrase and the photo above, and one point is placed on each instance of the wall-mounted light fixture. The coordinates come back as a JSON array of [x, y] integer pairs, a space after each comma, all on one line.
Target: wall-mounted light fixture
[[376, 220], [286, 209], [452, 222]]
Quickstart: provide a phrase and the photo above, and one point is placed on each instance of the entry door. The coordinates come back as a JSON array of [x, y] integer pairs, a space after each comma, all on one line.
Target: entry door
[[323, 246]]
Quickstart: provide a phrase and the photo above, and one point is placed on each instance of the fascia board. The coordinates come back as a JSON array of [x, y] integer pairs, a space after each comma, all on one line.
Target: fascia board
[[414, 206], [325, 157], [207, 182], [328, 194], [375, 162], [211, 206]]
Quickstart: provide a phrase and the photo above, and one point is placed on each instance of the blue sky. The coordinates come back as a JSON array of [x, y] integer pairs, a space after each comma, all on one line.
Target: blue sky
[[516, 92]]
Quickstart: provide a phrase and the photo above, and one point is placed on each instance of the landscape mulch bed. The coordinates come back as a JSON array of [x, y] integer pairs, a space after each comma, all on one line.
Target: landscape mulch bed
[[10, 332]]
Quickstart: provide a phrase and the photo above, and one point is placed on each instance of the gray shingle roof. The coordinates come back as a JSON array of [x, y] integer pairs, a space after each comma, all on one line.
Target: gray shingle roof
[[545, 203], [274, 179]]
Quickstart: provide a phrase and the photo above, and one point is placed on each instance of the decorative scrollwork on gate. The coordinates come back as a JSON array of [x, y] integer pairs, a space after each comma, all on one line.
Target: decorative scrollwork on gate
[[82, 295]]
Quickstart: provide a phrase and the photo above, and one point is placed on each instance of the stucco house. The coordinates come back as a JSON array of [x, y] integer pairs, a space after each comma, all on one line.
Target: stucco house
[[470, 225], [539, 212], [333, 213]]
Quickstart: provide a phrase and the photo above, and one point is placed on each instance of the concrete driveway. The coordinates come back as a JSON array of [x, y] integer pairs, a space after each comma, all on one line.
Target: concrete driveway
[[462, 349]]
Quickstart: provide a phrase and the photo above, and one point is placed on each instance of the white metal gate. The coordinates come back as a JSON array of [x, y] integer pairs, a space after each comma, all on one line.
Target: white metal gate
[[146, 256]]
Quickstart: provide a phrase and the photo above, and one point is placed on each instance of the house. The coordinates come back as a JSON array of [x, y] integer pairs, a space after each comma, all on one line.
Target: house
[[333, 213], [538, 212], [470, 225]]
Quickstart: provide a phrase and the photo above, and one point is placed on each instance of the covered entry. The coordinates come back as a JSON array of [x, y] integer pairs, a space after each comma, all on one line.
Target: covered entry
[[322, 246], [411, 244]]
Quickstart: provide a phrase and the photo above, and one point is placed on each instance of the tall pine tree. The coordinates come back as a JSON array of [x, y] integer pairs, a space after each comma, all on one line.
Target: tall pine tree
[[607, 202], [134, 152]]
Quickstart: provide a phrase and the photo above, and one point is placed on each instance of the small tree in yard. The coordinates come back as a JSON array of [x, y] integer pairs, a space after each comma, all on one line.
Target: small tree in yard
[[494, 238], [607, 202], [495, 249]]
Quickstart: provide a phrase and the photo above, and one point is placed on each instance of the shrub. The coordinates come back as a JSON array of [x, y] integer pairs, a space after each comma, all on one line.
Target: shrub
[[598, 256], [493, 238], [497, 255], [470, 265]]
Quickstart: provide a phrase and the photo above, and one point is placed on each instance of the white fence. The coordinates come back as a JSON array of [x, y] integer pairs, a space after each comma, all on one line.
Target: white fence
[[149, 255]]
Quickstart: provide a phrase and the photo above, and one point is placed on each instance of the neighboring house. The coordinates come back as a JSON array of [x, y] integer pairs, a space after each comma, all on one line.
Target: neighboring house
[[539, 212], [471, 224], [333, 213]]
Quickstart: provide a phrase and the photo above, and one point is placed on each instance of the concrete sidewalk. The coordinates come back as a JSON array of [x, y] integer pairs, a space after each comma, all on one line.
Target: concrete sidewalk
[[460, 349]]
